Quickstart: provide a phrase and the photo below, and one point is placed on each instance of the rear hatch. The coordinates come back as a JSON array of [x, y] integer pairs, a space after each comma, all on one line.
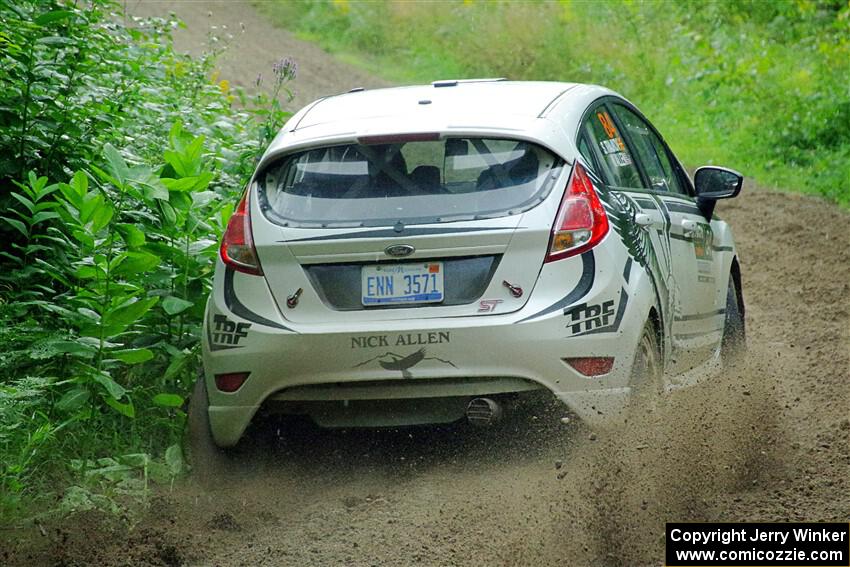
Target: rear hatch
[[400, 227]]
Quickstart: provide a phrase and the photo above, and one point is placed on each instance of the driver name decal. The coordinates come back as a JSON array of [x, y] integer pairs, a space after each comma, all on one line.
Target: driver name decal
[[404, 339]]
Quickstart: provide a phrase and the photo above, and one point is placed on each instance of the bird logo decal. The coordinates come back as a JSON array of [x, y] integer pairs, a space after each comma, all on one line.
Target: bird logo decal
[[403, 364]]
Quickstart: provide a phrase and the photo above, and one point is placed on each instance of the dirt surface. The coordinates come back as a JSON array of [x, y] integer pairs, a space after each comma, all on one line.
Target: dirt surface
[[253, 45], [765, 441]]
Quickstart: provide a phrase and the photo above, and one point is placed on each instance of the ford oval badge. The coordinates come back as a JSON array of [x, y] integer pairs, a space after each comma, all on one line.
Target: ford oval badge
[[399, 250]]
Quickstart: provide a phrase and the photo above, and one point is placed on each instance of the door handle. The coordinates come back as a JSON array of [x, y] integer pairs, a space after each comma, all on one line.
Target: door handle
[[643, 220], [689, 226]]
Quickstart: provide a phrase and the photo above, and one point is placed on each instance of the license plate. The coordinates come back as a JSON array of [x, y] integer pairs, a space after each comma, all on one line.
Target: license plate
[[389, 284]]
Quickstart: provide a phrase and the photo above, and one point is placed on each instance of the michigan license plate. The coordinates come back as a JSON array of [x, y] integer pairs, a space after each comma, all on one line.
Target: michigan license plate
[[389, 284]]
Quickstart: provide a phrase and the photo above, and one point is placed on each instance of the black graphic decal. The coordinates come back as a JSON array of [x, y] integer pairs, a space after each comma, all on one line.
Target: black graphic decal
[[656, 260], [228, 332], [668, 297], [585, 282], [599, 323], [584, 317], [627, 270], [646, 203], [404, 339], [239, 309], [621, 212], [215, 347], [678, 207], [403, 364]]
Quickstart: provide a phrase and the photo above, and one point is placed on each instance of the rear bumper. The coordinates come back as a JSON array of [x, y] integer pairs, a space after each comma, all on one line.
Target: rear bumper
[[469, 356]]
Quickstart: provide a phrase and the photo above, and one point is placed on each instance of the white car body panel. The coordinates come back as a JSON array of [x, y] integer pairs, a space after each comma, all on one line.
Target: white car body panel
[[592, 304]]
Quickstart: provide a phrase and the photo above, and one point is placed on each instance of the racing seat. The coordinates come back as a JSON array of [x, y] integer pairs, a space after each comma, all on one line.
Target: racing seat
[[427, 179]]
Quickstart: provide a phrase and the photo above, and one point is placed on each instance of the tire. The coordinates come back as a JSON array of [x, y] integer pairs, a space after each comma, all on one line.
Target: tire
[[647, 379], [734, 343], [205, 457]]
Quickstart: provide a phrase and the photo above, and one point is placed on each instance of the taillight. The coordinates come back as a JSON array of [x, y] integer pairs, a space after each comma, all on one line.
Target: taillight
[[237, 246], [581, 221], [231, 381], [591, 365]]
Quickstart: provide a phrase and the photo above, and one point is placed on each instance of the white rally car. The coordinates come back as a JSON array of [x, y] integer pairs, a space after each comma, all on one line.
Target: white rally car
[[420, 254]]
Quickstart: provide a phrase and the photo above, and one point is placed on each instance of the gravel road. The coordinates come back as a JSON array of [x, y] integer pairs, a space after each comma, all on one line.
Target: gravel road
[[253, 46], [765, 441]]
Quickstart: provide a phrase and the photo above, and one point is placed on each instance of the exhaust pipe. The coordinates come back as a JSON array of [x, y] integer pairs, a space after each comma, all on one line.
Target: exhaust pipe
[[483, 412]]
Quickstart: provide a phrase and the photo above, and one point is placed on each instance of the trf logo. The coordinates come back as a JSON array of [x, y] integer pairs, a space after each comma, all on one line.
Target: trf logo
[[586, 317], [488, 305], [228, 332]]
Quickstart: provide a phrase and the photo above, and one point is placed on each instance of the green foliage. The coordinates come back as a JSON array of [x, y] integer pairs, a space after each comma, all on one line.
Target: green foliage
[[125, 160], [759, 86]]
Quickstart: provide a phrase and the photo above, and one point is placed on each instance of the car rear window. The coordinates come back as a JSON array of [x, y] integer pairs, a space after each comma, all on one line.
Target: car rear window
[[409, 182]]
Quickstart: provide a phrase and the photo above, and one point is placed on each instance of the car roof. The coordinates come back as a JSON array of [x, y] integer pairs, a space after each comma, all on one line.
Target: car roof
[[443, 100], [537, 111]]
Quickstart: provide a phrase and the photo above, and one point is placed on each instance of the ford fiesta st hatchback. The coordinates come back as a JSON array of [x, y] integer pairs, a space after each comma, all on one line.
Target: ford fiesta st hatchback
[[419, 254]]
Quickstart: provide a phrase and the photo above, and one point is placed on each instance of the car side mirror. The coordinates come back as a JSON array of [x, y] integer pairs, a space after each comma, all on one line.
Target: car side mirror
[[712, 183]]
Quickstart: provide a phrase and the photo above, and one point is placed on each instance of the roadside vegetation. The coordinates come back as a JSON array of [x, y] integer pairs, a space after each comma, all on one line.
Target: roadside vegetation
[[763, 87], [120, 164], [121, 161]]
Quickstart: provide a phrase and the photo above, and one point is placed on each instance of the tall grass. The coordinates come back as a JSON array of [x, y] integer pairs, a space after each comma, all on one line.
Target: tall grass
[[760, 86]]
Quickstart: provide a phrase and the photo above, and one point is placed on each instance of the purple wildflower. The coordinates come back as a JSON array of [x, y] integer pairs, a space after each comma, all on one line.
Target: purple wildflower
[[285, 69]]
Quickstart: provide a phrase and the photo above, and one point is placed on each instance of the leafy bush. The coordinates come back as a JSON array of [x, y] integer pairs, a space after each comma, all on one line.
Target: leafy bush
[[122, 162], [760, 86]]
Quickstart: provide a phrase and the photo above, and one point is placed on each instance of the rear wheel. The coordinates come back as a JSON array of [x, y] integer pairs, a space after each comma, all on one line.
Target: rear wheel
[[734, 343], [207, 458], [647, 374]]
